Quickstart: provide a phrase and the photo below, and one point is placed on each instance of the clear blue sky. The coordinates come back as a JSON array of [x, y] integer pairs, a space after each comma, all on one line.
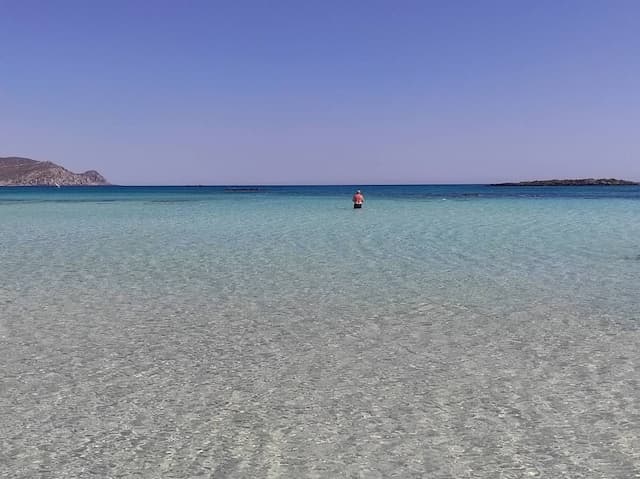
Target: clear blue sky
[[246, 92]]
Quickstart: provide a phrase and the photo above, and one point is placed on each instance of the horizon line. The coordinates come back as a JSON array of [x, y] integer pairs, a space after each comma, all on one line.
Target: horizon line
[[298, 185]]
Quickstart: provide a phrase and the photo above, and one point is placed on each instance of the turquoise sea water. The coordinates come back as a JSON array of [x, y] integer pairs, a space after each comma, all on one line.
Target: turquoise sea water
[[441, 331]]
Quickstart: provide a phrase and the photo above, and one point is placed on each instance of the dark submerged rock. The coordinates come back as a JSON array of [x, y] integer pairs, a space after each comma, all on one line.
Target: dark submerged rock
[[577, 182]]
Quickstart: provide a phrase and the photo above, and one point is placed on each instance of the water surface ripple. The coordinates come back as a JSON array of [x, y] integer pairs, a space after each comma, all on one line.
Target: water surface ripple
[[436, 333]]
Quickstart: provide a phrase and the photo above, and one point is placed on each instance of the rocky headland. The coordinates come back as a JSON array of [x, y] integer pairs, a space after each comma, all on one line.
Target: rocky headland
[[15, 171], [578, 182]]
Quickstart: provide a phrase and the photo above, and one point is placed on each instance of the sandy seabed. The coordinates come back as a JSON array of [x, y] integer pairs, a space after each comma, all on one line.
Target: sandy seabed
[[443, 392]]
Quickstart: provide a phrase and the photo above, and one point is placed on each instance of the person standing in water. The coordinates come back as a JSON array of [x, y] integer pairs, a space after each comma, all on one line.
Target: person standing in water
[[358, 199]]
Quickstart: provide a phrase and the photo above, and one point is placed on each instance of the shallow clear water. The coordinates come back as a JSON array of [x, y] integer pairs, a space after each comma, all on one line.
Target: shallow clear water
[[441, 331]]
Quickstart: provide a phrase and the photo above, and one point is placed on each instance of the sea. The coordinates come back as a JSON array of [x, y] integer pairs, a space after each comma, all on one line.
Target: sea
[[449, 331]]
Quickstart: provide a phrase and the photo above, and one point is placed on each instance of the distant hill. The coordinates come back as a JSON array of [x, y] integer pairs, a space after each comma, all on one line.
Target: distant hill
[[579, 182], [15, 171]]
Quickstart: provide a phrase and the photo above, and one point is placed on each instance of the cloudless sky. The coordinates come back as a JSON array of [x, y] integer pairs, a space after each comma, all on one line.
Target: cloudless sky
[[313, 92]]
